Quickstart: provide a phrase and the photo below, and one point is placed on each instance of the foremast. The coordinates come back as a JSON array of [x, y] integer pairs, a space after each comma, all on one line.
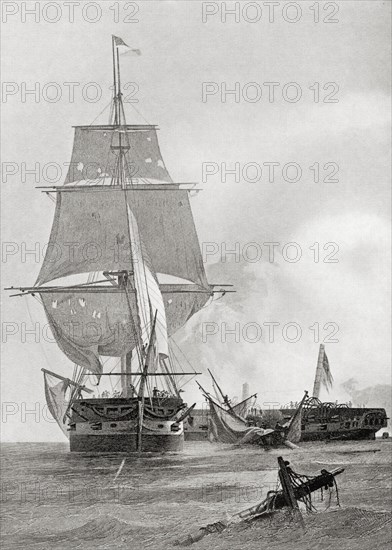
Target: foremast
[[119, 178]]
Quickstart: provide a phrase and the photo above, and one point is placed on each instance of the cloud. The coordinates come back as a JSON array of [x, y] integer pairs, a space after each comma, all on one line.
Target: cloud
[[355, 111]]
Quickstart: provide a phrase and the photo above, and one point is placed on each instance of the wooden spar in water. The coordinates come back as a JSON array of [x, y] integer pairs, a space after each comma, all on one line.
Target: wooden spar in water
[[273, 502], [324, 479], [288, 491]]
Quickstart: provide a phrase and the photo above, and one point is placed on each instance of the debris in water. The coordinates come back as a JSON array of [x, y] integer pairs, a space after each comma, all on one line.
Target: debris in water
[[294, 487]]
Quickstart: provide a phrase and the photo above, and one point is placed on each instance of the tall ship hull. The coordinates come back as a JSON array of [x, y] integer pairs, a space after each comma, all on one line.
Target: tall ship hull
[[328, 421], [111, 425], [196, 425]]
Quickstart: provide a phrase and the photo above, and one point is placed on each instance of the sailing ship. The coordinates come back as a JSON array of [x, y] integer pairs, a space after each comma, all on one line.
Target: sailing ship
[[123, 272], [323, 421]]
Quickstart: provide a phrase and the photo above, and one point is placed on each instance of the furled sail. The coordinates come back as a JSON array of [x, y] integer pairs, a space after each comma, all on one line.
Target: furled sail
[[92, 156], [90, 232]]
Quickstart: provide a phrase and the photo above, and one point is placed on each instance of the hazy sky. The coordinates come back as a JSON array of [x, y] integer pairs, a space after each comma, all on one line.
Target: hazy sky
[[179, 53]]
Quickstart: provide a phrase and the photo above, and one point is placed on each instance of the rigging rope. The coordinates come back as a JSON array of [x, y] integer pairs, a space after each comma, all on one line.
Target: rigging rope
[[103, 110]]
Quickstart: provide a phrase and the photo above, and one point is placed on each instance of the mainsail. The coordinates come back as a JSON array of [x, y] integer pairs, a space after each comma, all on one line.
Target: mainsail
[[149, 231], [91, 323], [90, 232]]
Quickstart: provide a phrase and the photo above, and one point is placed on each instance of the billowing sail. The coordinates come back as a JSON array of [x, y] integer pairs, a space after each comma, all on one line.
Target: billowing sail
[[148, 294], [89, 324], [157, 306], [140, 280], [143, 226], [99, 322], [181, 302], [92, 156], [90, 232], [168, 232], [55, 393]]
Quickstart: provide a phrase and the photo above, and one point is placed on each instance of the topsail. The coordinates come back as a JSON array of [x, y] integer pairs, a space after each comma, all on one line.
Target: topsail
[[90, 232], [93, 156]]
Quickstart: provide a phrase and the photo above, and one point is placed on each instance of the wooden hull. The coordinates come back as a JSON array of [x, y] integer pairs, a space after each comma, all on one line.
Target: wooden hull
[[317, 424], [196, 425], [196, 435], [337, 434], [111, 426], [329, 422], [125, 443]]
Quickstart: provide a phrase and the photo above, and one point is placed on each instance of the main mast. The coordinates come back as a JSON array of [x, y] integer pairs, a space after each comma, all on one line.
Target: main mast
[[119, 176]]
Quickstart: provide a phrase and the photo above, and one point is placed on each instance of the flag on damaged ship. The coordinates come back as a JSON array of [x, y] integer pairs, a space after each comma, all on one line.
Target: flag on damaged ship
[[323, 373]]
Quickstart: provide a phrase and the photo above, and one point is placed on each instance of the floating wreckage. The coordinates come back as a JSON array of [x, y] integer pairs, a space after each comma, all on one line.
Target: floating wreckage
[[294, 488], [228, 423]]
